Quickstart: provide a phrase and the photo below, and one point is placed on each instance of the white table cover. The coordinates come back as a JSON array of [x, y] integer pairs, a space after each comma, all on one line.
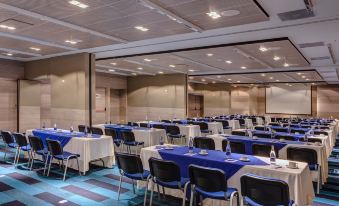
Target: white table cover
[[234, 124], [89, 149], [260, 121], [299, 180], [215, 127]]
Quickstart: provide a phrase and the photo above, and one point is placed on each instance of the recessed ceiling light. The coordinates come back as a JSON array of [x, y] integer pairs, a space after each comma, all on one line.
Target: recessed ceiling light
[[287, 84], [290, 85], [171, 65], [9, 54], [78, 4], [271, 77], [35, 48], [219, 77], [214, 82], [191, 70], [112, 70], [209, 54], [263, 75], [307, 79], [313, 83], [160, 72], [134, 74], [229, 13], [252, 84], [191, 77], [140, 68], [229, 79], [263, 49], [147, 60], [214, 15], [73, 42], [203, 80], [286, 65], [276, 58], [141, 28], [299, 73], [3, 26], [228, 62], [238, 81], [277, 80], [243, 67], [113, 63], [303, 77]]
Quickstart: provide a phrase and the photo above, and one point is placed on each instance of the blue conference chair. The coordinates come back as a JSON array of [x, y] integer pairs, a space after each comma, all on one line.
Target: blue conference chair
[[22, 145], [37, 148], [204, 143], [166, 174], [9, 143], [128, 139], [55, 151], [130, 166], [260, 191], [210, 183], [173, 132], [113, 133]]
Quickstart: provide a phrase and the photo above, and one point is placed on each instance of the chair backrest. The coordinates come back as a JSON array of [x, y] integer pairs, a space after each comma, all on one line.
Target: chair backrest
[[145, 125], [20, 139], [262, 135], [166, 121], [128, 163], [241, 121], [7, 137], [177, 122], [172, 130], [158, 126], [300, 131], [254, 120], [236, 147], [54, 147], [285, 137], [306, 126], [127, 136], [166, 171], [302, 155], [261, 128], [36, 143], [96, 130], [280, 129], [264, 191], [320, 132], [207, 179], [274, 124], [204, 143], [239, 133], [111, 132], [202, 125], [263, 150], [132, 124], [82, 128]]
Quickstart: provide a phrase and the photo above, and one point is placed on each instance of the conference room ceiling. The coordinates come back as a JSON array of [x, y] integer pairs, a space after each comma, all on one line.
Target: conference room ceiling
[[52, 27], [264, 56]]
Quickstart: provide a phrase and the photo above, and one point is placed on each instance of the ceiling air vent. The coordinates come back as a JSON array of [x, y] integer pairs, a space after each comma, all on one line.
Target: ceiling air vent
[[320, 58], [298, 14], [312, 44], [16, 23]]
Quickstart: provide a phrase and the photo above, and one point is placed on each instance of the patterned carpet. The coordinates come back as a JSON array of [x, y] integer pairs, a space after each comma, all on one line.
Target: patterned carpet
[[19, 186]]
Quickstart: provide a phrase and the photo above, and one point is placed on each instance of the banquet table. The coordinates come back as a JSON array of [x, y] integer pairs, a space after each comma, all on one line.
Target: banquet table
[[150, 136], [90, 148], [260, 121], [234, 124], [281, 146], [299, 180], [248, 123]]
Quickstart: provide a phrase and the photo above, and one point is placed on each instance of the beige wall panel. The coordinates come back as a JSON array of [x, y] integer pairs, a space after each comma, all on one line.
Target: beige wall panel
[[11, 69], [65, 118], [110, 81], [100, 106], [328, 101], [240, 101], [45, 109], [8, 105], [154, 113]]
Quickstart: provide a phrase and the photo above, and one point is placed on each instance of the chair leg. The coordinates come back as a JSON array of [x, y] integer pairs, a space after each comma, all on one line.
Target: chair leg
[[163, 192], [119, 187], [159, 197], [5, 153], [133, 186], [29, 158], [18, 156], [184, 195], [47, 156], [146, 189], [151, 198], [319, 180], [78, 166], [49, 166], [192, 197], [65, 170], [33, 156]]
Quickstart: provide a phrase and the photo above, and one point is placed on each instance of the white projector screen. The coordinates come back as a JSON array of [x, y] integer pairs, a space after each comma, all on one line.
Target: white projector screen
[[296, 99]]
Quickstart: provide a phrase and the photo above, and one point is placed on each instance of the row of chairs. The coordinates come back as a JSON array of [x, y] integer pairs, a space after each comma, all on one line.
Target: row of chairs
[[34, 146], [293, 153], [204, 182]]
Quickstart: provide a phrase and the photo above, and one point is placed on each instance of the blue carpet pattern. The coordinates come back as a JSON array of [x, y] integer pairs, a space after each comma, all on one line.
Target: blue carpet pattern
[[19, 186]]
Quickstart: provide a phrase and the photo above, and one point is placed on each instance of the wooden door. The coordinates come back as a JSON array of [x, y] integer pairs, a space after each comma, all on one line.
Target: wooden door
[[195, 105]]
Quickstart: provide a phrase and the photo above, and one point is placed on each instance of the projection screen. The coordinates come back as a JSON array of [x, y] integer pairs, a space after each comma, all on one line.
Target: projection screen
[[295, 99]]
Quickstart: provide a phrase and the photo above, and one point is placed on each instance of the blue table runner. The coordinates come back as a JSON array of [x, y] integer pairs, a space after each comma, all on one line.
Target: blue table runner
[[214, 159]]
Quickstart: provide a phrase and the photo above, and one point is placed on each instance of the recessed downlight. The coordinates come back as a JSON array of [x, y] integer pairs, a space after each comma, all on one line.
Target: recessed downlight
[[243, 67], [263, 75], [228, 62], [263, 49], [141, 28], [229, 79], [113, 63], [112, 70], [276, 58], [214, 82], [34, 48], [204, 80], [172, 65], [214, 15], [140, 68], [191, 70], [4, 26], [238, 81], [147, 60], [78, 4], [209, 54], [286, 65], [160, 72]]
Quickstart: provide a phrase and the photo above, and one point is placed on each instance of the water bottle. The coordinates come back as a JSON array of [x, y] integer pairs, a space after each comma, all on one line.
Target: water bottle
[[306, 137], [228, 150], [43, 125], [190, 145], [85, 131], [161, 140], [272, 156], [71, 129], [55, 126]]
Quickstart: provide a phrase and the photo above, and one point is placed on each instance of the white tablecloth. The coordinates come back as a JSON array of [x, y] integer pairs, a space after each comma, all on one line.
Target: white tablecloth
[[248, 123], [321, 153], [89, 149], [234, 124], [260, 121], [299, 180], [215, 127]]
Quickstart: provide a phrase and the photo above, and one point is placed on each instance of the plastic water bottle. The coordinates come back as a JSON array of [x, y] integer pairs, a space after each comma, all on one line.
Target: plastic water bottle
[[43, 125], [228, 150], [85, 131], [71, 129], [55, 126], [190, 145], [161, 140], [272, 156]]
